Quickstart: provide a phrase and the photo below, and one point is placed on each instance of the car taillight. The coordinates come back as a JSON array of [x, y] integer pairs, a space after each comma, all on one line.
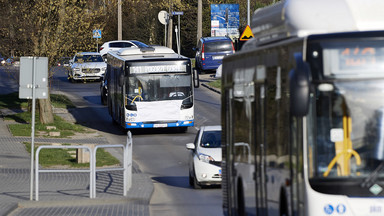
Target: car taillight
[[233, 48], [202, 53], [101, 48]]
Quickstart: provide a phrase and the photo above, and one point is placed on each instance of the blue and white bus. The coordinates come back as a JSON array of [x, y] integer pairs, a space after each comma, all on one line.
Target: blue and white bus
[[150, 87], [303, 112]]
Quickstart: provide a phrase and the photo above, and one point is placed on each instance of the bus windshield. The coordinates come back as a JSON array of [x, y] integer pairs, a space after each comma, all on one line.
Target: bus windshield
[[347, 140], [158, 87]]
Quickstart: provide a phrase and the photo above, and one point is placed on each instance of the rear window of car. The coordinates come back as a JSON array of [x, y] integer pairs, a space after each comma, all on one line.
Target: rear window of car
[[211, 139], [218, 46], [120, 44]]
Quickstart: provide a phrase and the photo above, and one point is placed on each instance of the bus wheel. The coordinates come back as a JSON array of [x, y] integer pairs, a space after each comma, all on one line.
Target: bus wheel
[[240, 200], [283, 204], [183, 129]]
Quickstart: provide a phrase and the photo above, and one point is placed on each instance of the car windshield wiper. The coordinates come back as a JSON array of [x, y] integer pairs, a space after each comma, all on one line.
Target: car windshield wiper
[[372, 177]]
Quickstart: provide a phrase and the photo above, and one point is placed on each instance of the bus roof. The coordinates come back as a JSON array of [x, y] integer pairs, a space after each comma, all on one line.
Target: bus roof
[[153, 52], [300, 18]]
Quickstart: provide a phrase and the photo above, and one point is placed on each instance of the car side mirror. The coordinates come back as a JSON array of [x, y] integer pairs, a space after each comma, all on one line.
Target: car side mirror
[[190, 146]]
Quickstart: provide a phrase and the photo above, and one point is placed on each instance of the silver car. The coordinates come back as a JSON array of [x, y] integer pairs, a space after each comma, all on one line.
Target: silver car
[[87, 66]]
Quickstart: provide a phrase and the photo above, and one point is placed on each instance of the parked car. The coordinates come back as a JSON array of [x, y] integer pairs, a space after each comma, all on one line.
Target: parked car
[[87, 66], [64, 62], [205, 157], [104, 89], [210, 52], [2, 60], [118, 44], [9, 61]]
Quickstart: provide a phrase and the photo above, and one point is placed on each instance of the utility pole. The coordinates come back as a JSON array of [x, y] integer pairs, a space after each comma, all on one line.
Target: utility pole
[[199, 20], [248, 14], [119, 22]]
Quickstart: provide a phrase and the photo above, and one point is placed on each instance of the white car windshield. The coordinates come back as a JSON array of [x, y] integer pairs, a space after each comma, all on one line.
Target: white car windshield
[[88, 58], [211, 139]]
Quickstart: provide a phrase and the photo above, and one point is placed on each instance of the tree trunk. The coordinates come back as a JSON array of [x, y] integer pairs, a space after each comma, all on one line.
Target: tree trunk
[[45, 110]]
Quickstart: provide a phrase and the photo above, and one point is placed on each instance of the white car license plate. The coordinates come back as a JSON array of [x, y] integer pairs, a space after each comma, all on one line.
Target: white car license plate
[[218, 57], [159, 125]]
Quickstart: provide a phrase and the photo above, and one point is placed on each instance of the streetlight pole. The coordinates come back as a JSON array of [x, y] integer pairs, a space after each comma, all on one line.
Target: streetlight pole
[[119, 21], [248, 14], [199, 20]]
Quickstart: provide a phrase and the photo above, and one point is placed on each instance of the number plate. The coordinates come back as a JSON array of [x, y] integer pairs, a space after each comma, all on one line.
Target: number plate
[[218, 57], [159, 125]]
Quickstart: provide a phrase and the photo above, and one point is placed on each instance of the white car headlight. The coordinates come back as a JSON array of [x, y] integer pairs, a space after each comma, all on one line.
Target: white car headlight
[[205, 158], [76, 69]]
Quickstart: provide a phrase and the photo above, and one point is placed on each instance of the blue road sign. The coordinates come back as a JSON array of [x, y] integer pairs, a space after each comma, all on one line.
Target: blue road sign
[[177, 13], [97, 33]]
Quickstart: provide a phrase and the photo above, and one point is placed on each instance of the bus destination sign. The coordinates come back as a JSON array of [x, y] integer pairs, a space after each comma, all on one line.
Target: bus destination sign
[[157, 69]]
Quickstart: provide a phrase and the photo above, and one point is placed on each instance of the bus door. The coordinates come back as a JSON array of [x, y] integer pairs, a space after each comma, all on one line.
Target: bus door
[[261, 201], [244, 144]]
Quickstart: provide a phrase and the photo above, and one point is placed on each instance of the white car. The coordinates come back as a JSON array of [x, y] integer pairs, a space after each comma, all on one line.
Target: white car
[[205, 157], [87, 66], [118, 44]]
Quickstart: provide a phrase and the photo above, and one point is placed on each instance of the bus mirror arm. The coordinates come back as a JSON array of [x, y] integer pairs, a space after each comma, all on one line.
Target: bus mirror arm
[[299, 84], [121, 80]]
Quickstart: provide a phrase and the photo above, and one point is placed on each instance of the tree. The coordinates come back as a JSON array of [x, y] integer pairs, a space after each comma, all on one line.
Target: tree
[[53, 28]]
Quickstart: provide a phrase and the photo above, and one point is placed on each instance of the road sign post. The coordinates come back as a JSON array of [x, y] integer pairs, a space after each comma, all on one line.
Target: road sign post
[[178, 13], [33, 84], [97, 34], [164, 18]]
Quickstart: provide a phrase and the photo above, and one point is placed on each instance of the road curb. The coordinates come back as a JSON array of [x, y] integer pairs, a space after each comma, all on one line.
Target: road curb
[[211, 88]]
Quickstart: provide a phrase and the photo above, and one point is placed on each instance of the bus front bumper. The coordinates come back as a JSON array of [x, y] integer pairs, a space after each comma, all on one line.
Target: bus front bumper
[[187, 123]]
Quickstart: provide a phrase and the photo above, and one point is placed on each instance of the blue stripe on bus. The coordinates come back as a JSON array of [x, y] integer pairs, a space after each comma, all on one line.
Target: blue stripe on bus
[[175, 124]]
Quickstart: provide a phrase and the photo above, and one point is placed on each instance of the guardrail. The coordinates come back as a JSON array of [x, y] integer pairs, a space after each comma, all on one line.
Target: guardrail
[[127, 165]]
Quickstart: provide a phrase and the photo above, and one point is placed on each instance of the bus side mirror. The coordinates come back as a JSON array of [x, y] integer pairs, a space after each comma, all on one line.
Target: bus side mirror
[[299, 87], [195, 77]]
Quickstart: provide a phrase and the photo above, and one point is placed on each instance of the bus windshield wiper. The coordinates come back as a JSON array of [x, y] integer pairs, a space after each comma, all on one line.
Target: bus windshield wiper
[[373, 176]]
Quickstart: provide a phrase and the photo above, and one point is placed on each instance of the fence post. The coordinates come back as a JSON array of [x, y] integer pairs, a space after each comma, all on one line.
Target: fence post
[[128, 164]]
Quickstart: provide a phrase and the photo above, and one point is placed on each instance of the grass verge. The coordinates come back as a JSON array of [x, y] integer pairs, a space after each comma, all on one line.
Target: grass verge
[[64, 157], [12, 101], [66, 129], [215, 84]]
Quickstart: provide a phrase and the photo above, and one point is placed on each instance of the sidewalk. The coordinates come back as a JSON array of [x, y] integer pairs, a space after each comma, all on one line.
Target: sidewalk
[[65, 193]]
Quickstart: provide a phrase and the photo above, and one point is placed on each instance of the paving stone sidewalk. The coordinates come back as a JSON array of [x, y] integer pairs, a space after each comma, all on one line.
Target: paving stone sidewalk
[[65, 193]]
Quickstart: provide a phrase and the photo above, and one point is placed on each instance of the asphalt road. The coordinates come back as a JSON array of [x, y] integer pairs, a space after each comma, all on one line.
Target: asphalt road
[[159, 153]]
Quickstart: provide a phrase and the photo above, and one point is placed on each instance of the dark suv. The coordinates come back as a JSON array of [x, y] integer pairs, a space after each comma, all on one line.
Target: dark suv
[[210, 52]]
